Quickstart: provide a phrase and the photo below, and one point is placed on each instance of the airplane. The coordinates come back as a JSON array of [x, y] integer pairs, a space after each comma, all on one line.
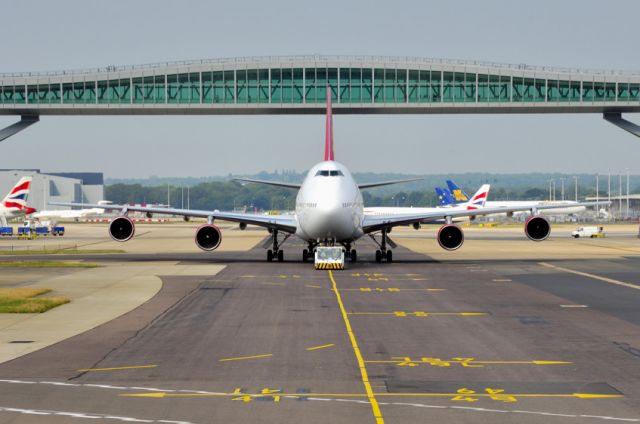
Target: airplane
[[449, 199], [75, 214], [329, 211], [14, 204]]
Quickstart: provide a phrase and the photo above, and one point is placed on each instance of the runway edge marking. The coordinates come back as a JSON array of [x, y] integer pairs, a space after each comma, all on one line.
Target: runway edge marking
[[593, 276], [375, 407]]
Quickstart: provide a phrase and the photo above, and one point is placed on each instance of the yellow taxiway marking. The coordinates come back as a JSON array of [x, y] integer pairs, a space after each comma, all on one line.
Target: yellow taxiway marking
[[421, 314], [502, 280], [133, 367], [461, 395], [405, 361], [274, 284], [593, 276], [313, 286], [375, 408], [241, 358], [321, 347]]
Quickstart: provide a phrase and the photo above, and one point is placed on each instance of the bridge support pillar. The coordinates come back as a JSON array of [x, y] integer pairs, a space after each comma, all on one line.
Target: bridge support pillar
[[616, 119], [25, 121]]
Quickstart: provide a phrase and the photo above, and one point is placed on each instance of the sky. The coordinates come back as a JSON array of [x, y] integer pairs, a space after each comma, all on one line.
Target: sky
[[70, 34]]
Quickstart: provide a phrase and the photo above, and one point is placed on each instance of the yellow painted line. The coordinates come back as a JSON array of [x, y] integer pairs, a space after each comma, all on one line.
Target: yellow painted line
[[422, 314], [385, 394], [321, 347], [473, 362], [593, 276], [313, 286], [133, 367], [274, 284], [388, 289], [375, 408], [241, 358]]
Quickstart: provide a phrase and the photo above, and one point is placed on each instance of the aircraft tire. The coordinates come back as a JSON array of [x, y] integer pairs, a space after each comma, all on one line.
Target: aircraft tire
[[354, 255], [389, 256], [269, 255], [280, 255], [378, 256]]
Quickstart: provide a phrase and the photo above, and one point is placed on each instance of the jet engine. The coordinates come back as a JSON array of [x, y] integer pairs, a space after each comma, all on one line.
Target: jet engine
[[208, 237], [537, 228], [450, 237], [242, 225], [121, 228], [149, 215], [416, 225]]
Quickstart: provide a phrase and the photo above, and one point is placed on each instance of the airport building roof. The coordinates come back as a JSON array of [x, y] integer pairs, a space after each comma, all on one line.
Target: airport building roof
[[298, 84]]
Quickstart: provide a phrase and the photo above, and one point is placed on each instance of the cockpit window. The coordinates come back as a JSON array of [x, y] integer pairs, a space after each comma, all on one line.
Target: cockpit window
[[327, 173]]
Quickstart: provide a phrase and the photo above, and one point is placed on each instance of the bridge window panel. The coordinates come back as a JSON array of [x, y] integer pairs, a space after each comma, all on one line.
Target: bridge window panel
[[19, 94], [495, 89], [367, 85], [217, 87], [436, 86], [598, 91], [505, 88], [298, 85], [229, 86], [518, 89], [53, 95], [159, 89], [528, 90], [263, 86], [414, 86], [401, 86], [287, 85], [470, 87], [458, 87], [634, 91], [194, 81], [623, 91], [43, 93], [138, 90], [332, 77], [276, 85], [207, 87], [345, 86], [242, 92], [103, 92], [184, 94], [67, 93], [574, 91], [88, 91], [587, 91], [540, 90], [321, 85], [610, 91], [553, 95], [447, 86], [564, 93], [32, 94], [78, 92], [357, 90], [378, 85], [172, 88], [390, 87], [483, 88], [124, 91], [310, 85], [251, 85]]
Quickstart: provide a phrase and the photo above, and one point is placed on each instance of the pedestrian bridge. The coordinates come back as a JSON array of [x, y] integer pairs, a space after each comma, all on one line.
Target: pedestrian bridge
[[298, 85]]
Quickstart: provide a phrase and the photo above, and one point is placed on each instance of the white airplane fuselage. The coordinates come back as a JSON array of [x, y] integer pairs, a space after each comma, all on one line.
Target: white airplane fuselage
[[329, 205]]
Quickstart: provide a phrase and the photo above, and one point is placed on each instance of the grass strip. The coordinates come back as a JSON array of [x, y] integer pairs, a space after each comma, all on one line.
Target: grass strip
[[23, 300]]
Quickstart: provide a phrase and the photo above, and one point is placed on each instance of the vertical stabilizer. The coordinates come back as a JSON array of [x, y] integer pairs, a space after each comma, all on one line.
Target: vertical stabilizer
[[17, 197], [328, 141]]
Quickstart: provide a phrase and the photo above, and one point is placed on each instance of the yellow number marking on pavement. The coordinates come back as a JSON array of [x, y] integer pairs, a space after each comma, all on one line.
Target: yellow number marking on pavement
[[593, 276], [422, 314], [241, 358], [133, 367], [405, 361], [375, 408], [321, 347]]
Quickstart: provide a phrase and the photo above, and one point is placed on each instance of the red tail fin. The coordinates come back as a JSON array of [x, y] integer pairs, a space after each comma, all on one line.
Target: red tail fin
[[328, 142]]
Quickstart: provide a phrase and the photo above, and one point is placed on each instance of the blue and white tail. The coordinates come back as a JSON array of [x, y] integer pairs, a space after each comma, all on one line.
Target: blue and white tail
[[458, 194]]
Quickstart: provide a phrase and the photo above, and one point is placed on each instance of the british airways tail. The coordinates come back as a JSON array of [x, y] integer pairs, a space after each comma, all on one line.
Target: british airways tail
[[458, 194], [328, 137], [479, 199], [17, 197]]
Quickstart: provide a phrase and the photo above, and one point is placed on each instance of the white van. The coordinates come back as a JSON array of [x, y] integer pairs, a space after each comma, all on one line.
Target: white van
[[591, 232]]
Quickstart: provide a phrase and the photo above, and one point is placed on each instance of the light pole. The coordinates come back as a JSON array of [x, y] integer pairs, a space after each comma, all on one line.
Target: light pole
[[576, 180], [627, 215], [597, 195], [562, 187]]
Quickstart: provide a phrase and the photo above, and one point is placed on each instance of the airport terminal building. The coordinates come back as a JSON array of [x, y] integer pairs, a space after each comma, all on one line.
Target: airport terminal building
[[87, 187]]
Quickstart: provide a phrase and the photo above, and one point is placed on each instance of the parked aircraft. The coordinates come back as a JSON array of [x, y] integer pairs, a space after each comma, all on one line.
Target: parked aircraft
[[329, 211], [75, 214], [14, 204]]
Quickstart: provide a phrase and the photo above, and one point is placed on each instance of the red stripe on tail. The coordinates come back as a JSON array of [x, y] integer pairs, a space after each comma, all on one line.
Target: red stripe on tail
[[23, 186], [328, 141]]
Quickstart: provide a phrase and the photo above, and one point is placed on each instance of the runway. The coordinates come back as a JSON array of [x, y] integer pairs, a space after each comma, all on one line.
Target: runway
[[419, 340]]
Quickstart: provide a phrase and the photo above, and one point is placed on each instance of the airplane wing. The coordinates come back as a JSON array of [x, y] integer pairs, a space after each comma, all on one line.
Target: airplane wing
[[286, 223], [372, 223], [384, 183], [273, 183]]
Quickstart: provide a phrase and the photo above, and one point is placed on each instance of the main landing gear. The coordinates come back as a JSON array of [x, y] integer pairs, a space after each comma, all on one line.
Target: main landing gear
[[276, 252], [384, 253]]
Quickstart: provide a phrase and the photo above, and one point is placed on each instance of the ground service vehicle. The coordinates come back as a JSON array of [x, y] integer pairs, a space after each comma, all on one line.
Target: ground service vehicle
[[591, 232], [329, 257]]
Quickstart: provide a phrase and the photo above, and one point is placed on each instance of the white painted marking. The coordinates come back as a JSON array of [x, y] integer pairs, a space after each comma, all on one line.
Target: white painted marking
[[593, 276], [573, 306], [85, 415]]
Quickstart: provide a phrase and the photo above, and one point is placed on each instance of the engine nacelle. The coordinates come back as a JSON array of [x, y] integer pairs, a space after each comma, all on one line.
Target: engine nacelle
[[416, 225], [450, 237], [537, 228], [186, 218], [122, 228], [149, 215], [208, 237], [242, 225]]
